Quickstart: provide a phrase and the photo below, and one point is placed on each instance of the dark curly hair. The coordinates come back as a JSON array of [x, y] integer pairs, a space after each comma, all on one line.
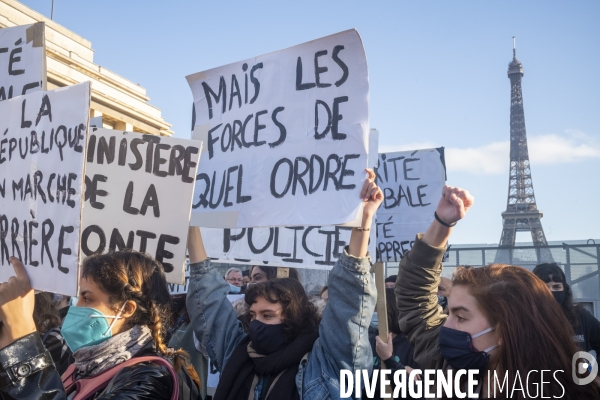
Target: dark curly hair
[[299, 314], [551, 272], [133, 276], [45, 316]]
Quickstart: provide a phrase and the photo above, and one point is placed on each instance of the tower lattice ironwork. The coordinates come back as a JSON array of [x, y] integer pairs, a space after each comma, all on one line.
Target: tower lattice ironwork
[[521, 212]]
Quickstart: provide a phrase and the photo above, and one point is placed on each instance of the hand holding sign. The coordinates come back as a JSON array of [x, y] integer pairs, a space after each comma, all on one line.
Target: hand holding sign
[[16, 305], [371, 195], [384, 349], [454, 204]]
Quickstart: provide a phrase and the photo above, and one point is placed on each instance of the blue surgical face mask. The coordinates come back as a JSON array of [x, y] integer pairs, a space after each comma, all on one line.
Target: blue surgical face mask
[[85, 326], [234, 289], [375, 321]]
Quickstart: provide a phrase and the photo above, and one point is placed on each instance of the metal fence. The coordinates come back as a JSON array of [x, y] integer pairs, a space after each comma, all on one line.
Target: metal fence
[[579, 261]]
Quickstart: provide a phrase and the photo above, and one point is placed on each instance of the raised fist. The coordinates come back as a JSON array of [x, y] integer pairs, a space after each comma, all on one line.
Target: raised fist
[[454, 204]]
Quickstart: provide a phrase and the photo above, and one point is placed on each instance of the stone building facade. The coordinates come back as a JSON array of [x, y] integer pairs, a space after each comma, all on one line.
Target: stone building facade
[[122, 104]]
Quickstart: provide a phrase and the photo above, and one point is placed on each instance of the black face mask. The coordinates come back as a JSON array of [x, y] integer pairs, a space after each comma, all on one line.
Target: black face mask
[[559, 296], [266, 339], [457, 348]]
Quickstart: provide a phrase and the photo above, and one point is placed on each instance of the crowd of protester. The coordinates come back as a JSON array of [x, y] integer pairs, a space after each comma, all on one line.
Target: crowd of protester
[[126, 337]]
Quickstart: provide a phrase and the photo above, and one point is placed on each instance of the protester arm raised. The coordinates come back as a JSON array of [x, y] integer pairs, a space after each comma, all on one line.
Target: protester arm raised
[[344, 339], [215, 322], [419, 276]]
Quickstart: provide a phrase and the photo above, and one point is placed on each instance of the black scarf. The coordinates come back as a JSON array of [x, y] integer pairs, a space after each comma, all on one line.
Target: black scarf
[[245, 367]]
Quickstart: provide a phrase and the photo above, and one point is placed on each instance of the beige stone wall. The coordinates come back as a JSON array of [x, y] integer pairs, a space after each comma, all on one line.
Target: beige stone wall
[[122, 104]]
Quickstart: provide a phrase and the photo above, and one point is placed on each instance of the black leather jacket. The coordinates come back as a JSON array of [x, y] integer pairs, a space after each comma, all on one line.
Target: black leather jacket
[[28, 373]]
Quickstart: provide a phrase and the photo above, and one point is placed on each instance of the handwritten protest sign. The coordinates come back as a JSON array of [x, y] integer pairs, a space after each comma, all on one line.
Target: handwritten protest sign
[[139, 195], [175, 288], [22, 60], [412, 183], [286, 136], [316, 247], [42, 147]]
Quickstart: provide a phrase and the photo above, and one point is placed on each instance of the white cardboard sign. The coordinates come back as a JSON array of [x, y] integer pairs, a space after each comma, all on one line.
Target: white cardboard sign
[[412, 183], [286, 136], [315, 247], [311, 247], [22, 60], [42, 148], [175, 288], [139, 195]]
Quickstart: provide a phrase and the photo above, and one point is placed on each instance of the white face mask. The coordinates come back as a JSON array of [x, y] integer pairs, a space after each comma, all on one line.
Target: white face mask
[[483, 332], [113, 317]]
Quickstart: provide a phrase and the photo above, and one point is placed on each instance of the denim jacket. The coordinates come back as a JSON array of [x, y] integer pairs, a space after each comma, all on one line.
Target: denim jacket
[[343, 341]]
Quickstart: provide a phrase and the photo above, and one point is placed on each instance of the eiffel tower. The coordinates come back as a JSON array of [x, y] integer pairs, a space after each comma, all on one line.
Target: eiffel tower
[[522, 214]]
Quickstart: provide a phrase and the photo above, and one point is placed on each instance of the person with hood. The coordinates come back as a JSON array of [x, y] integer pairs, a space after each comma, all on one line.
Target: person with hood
[[286, 353], [586, 327]]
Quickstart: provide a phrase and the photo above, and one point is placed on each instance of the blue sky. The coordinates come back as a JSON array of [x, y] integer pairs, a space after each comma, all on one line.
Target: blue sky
[[437, 78]]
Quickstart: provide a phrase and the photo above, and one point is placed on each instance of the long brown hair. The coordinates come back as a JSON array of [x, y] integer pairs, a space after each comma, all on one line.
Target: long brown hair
[[299, 314], [535, 335], [132, 276]]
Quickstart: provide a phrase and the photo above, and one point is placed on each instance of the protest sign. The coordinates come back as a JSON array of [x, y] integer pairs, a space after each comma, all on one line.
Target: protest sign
[[139, 195], [412, 183], [175, 288], [42, 148], [316, 247], [285, 136], [22, 60]]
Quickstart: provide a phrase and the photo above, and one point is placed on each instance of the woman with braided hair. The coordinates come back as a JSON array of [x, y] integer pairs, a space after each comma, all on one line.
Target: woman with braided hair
[[116, 332]]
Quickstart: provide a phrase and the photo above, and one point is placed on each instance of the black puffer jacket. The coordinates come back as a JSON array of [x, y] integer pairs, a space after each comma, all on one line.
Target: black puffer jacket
[[28, 373]]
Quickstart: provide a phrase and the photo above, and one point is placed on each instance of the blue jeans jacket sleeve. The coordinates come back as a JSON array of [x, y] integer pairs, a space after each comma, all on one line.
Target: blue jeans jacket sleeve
[[215, 322], [343, 333]]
